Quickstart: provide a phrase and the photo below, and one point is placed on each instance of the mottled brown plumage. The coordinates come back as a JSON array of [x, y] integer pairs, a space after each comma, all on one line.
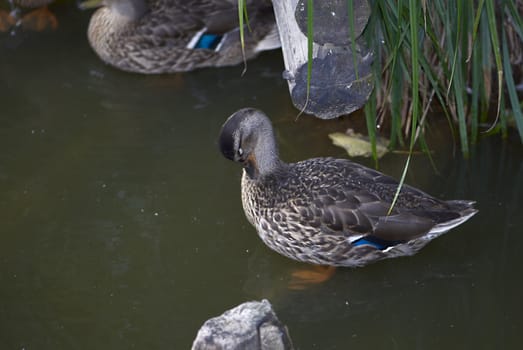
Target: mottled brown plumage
[[38, 18], [32, 3], [162, 36], [329, 211]]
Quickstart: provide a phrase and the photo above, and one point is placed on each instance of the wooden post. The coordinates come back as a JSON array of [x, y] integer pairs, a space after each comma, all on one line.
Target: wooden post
[[294, 42]]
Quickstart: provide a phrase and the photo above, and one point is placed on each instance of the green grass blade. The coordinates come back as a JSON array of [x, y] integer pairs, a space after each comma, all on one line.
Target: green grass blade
[[413, 24], [395, 108], [459, 89], [400, 185], [370, 117], [486, 64], [310, 41], [516, 17], [476, 90], [477, 19], [458, 83], [491, 17], [350, 9], [458, 35], [246, 16], [511, 87], [241, 11]]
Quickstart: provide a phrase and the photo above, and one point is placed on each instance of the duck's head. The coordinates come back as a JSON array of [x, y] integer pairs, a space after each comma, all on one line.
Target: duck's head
[[247, 138], [132, 9]]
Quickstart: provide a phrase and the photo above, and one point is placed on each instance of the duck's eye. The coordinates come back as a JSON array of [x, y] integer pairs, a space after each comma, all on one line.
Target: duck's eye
[[240, 151]]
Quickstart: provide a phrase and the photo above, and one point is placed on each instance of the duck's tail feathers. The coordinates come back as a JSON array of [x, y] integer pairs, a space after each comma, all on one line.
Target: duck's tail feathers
[[461, 204], [271, 41], [465, 214]]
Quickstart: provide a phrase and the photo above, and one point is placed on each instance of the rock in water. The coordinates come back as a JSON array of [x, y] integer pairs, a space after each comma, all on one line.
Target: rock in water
[[250, 326]]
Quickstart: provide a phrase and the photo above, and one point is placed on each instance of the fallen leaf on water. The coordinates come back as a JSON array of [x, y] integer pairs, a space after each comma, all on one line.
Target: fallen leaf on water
[[358, 145]]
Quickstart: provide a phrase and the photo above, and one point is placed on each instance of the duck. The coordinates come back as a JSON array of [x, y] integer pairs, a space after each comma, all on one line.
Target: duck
[[168, 36], [38, 19], [328, 211]]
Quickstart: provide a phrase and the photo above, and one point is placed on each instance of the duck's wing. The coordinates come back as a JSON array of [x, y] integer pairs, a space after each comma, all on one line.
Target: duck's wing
[[354, 201], [220, 17], [217, 16], [360, 214]]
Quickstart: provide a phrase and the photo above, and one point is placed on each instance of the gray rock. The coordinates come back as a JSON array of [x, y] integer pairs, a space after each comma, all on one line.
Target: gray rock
[[250, 326]]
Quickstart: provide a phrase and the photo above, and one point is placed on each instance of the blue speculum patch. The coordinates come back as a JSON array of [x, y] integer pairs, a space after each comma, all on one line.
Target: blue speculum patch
[[208, 41], [377, 243]]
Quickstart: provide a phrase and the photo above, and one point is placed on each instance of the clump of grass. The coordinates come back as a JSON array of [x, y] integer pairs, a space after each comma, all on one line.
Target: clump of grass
[[460, 54]]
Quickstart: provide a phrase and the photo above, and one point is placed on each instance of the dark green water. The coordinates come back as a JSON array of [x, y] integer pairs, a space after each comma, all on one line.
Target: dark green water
[[121, 224]]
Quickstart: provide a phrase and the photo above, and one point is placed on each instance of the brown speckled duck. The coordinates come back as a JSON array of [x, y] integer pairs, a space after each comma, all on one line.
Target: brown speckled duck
[[328, 211], [166, 36], [40, 18]]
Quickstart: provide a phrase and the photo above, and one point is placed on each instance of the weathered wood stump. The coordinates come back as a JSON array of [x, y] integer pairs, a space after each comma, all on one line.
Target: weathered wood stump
[[340, 83], [249, 326]]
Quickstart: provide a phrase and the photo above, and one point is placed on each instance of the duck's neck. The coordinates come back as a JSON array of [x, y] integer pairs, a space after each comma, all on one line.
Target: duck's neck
[[265, 159], [133, 10]]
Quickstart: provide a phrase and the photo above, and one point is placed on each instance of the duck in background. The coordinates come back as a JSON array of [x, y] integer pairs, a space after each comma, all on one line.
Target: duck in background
[[328, 211], [38, 19], [166, 36]]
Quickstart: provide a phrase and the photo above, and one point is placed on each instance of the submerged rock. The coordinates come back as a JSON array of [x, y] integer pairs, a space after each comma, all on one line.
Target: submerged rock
[[250, 326]]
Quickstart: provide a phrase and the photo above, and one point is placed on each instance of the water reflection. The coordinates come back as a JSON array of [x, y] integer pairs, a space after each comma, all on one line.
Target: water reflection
[[122, 225]]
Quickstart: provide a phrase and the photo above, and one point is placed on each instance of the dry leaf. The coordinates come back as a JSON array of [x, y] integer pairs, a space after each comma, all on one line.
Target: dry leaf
[[358, 145]]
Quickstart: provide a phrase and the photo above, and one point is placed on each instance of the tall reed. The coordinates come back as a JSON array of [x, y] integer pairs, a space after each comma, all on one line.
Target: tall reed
[[462, 55]]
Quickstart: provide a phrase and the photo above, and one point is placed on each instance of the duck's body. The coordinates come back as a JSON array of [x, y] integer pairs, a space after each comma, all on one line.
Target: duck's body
[[165, 36], [32, 3], [330, 211], [40, 18]]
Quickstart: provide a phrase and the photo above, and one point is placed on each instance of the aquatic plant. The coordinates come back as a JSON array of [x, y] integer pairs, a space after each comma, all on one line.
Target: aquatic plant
[[462, 56]]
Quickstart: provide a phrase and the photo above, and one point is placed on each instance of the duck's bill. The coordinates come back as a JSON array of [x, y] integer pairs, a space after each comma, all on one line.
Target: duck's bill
[[90, 4]]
